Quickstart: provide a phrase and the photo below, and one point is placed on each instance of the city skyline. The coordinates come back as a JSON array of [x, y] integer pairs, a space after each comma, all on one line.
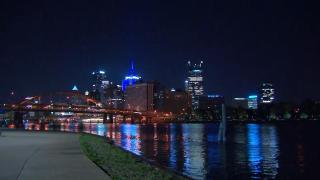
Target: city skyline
[[46, 48], [159, 90], [88, 86]]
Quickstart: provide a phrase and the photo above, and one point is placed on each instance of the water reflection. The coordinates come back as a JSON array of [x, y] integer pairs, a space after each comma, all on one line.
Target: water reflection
[[252, 150], [270, 151], [194, 155], [130, 139]]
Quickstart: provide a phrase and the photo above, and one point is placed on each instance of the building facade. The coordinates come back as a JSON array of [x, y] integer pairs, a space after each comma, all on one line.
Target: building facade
[[140, 97], [176, 102], [239, 103], [114, 97], [194, 82], [147, 96], [267, 93], [253, 102], [211, 102]]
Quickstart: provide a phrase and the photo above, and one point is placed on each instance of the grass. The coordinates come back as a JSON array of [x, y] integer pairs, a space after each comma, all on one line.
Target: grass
[[120, 164]]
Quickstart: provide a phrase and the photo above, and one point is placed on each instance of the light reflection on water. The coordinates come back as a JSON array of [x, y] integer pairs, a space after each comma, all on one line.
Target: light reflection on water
[[252, 150]]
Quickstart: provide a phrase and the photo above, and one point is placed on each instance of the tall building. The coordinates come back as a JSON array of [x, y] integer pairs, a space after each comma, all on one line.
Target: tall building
[[194, 82], [131, 79], [99, 81], [266, 93], [114, 96], [139, 97], [253, 102], [146, 96]]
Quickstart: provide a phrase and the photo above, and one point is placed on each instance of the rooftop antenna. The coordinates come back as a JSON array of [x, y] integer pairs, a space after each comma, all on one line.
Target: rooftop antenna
[[132, 67]]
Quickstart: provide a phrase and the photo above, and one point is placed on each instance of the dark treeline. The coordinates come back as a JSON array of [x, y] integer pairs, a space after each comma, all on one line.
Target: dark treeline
[[307, 110]]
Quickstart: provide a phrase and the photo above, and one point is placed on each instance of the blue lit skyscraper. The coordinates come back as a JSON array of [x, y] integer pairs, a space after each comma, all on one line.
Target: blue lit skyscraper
[[194, 82], [131, 78]]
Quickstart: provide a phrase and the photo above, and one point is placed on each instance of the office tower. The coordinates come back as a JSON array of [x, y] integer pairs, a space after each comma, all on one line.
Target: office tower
[[253, 102], [266, 93], [139, 97], [194, 82], [99, 82], [114, 96], [146, 96]]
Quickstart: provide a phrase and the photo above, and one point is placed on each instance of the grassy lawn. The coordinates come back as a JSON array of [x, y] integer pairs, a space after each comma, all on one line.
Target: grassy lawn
[[120, 164]]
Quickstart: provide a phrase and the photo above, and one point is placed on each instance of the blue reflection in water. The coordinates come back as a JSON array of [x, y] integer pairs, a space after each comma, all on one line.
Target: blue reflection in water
[[130, 139], [254, 149], [173, 146], [186, 144], [263, 150], [251, 151], [215, 154]]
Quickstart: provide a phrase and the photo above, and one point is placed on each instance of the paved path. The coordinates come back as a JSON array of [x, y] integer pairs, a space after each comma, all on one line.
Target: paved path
[[44, 155]]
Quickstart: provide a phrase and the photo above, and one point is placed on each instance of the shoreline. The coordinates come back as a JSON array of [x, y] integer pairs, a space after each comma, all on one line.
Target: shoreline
[[153, 164], [156, 168]]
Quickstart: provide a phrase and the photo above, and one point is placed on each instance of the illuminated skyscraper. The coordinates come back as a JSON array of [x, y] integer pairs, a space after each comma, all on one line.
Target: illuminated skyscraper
[[131, 79], [194, 82], [253, 102], [266, 93], [99, 81]]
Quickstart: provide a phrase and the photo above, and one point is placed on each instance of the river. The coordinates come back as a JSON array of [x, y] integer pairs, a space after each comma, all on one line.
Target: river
[[286, 150]]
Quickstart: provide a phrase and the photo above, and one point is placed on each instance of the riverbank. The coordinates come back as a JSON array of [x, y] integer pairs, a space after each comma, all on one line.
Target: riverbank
[[119, 164]]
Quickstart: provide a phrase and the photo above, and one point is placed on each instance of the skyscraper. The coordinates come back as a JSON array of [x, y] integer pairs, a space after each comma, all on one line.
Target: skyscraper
[[266, 93], [99, 81], [131, 79], [194, 82]]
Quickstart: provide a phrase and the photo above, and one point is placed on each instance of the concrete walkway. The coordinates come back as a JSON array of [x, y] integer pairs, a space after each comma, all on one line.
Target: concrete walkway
[[44, 155]]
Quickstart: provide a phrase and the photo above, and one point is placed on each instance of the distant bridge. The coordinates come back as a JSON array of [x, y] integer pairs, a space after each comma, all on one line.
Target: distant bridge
[[75, 102]]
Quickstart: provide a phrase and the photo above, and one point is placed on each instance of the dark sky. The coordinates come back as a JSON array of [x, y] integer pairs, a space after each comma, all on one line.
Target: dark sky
[[50, 45]]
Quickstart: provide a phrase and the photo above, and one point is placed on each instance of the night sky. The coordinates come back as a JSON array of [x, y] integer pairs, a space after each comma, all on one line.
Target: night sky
[[49, 45]]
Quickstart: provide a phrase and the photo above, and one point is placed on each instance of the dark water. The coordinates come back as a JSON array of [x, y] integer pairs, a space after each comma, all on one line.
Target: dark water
[[283, 150]]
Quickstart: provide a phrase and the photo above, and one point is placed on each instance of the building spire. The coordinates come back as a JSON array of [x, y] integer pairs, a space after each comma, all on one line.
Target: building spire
[[75, 88], [132, 68]]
